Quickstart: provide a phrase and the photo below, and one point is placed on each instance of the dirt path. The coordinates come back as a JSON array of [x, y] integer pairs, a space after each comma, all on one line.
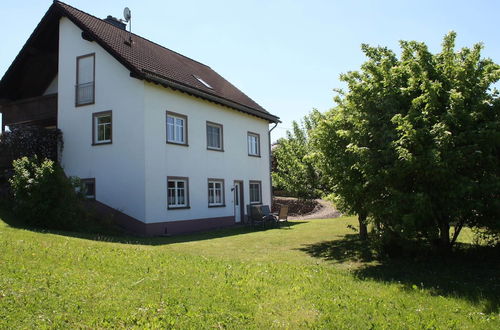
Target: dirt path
[[325, 210]]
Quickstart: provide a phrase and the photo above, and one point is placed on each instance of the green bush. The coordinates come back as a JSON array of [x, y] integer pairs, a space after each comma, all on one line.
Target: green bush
[[44, 196], [486, 236]]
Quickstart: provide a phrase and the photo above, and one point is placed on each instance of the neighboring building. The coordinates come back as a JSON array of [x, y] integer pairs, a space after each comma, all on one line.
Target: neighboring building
[[159, 137]]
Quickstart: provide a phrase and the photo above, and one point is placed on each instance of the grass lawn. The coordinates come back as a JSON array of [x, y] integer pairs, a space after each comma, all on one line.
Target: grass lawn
[[313, 275]]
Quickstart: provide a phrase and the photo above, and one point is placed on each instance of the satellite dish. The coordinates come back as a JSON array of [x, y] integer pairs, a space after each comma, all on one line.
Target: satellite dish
[[126, 14]]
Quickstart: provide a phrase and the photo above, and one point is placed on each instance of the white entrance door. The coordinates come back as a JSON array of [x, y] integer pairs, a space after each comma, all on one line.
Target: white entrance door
[[237, 201]]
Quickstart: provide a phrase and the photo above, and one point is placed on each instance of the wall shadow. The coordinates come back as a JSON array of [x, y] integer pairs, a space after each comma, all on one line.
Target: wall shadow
[[117, 235], [469, 272]]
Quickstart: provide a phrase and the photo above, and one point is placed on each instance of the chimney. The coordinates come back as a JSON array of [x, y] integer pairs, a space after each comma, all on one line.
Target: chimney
[[116, 22]]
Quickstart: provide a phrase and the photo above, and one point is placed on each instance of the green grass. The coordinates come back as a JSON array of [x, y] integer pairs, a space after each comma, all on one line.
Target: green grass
[[314, 275]]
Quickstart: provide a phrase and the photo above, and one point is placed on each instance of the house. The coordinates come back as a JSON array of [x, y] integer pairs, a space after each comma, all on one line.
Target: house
[[162, 139]]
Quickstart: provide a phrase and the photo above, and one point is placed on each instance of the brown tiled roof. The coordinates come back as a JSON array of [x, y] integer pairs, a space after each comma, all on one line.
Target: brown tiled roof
[[150, 61]]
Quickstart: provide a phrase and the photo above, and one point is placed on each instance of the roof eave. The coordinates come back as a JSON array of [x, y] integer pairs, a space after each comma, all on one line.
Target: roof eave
[[58, 11], [51, 11], [93, 37], [210, 97]]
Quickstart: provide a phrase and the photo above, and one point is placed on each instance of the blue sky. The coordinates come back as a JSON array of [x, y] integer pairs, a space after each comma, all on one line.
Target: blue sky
[[285, 54]]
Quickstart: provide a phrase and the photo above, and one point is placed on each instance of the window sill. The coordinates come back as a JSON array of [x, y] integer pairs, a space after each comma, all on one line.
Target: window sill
[[255, 203], [258, 156], [223, 205], [83, 104], [101, 143], [178, 144], [178, 207], [215, 149]]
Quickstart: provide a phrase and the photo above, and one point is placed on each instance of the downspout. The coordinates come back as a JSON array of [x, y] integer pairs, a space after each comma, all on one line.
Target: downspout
[[271, 165]]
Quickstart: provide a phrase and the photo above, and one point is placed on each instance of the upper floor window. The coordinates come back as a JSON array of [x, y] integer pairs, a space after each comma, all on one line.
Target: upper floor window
[[215, 192], [214, 136], [102, 129], [253, 140], [176, 128], [177, 191], [85, 75]]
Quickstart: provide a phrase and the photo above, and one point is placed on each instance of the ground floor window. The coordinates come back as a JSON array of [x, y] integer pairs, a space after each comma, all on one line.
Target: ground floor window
[[255, 192], [178, 192], [88, 188], [215, 192]]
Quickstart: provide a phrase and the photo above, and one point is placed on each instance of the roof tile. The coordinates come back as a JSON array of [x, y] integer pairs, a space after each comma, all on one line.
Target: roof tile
[[146, 57]]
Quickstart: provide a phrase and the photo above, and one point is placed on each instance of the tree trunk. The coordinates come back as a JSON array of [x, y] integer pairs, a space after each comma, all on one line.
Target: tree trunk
[[444, 235], [363, 230], [457, 230]]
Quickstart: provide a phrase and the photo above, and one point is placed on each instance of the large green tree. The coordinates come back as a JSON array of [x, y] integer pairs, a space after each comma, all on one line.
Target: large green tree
[[415, 141]]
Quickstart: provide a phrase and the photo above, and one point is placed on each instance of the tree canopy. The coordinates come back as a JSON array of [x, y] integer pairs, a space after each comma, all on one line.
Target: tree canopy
[[414, 143]]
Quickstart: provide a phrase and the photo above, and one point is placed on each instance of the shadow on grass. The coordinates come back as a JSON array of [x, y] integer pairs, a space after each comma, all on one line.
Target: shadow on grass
[[350, 248], [102, 233], [470, 272]]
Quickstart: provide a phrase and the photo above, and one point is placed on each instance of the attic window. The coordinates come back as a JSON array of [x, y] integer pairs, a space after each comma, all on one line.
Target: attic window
[[203, 82]]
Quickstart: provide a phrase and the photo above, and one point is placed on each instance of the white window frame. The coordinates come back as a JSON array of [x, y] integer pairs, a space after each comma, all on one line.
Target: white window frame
[[259, 191], [173, 127], [253, 144], [98, 126], [221, 137], [176, 189], [212, 191]]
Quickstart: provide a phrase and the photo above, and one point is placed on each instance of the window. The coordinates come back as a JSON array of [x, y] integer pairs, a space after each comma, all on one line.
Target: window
[[255, 192], [214, 136], [178, 192], [176, 128], [88, 186], [102, 127], [203, 82], [85, 74], [253, 144], [215, 192]]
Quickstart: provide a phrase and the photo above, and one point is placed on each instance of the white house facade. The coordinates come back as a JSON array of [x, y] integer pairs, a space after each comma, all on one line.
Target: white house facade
[[167, 143]]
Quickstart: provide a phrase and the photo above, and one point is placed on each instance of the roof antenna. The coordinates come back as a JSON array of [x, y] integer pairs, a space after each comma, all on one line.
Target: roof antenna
[[128, 18]]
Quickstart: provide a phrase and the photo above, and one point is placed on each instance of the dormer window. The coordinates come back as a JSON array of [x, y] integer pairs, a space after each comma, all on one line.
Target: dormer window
[[203, 82], [85, 75]]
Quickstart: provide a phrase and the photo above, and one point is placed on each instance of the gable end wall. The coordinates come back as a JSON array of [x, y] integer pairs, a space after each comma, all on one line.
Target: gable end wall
[[118, 167]]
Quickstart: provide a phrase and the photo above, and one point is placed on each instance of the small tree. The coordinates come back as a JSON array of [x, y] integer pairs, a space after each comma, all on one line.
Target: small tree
[[296, 171], [333, 139]]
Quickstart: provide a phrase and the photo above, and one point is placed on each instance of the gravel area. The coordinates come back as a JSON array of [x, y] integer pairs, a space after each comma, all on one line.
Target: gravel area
[[324, 210]]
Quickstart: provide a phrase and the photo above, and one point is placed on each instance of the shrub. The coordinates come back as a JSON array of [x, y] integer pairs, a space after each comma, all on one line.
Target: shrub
[[44, 196], [486, 236]]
